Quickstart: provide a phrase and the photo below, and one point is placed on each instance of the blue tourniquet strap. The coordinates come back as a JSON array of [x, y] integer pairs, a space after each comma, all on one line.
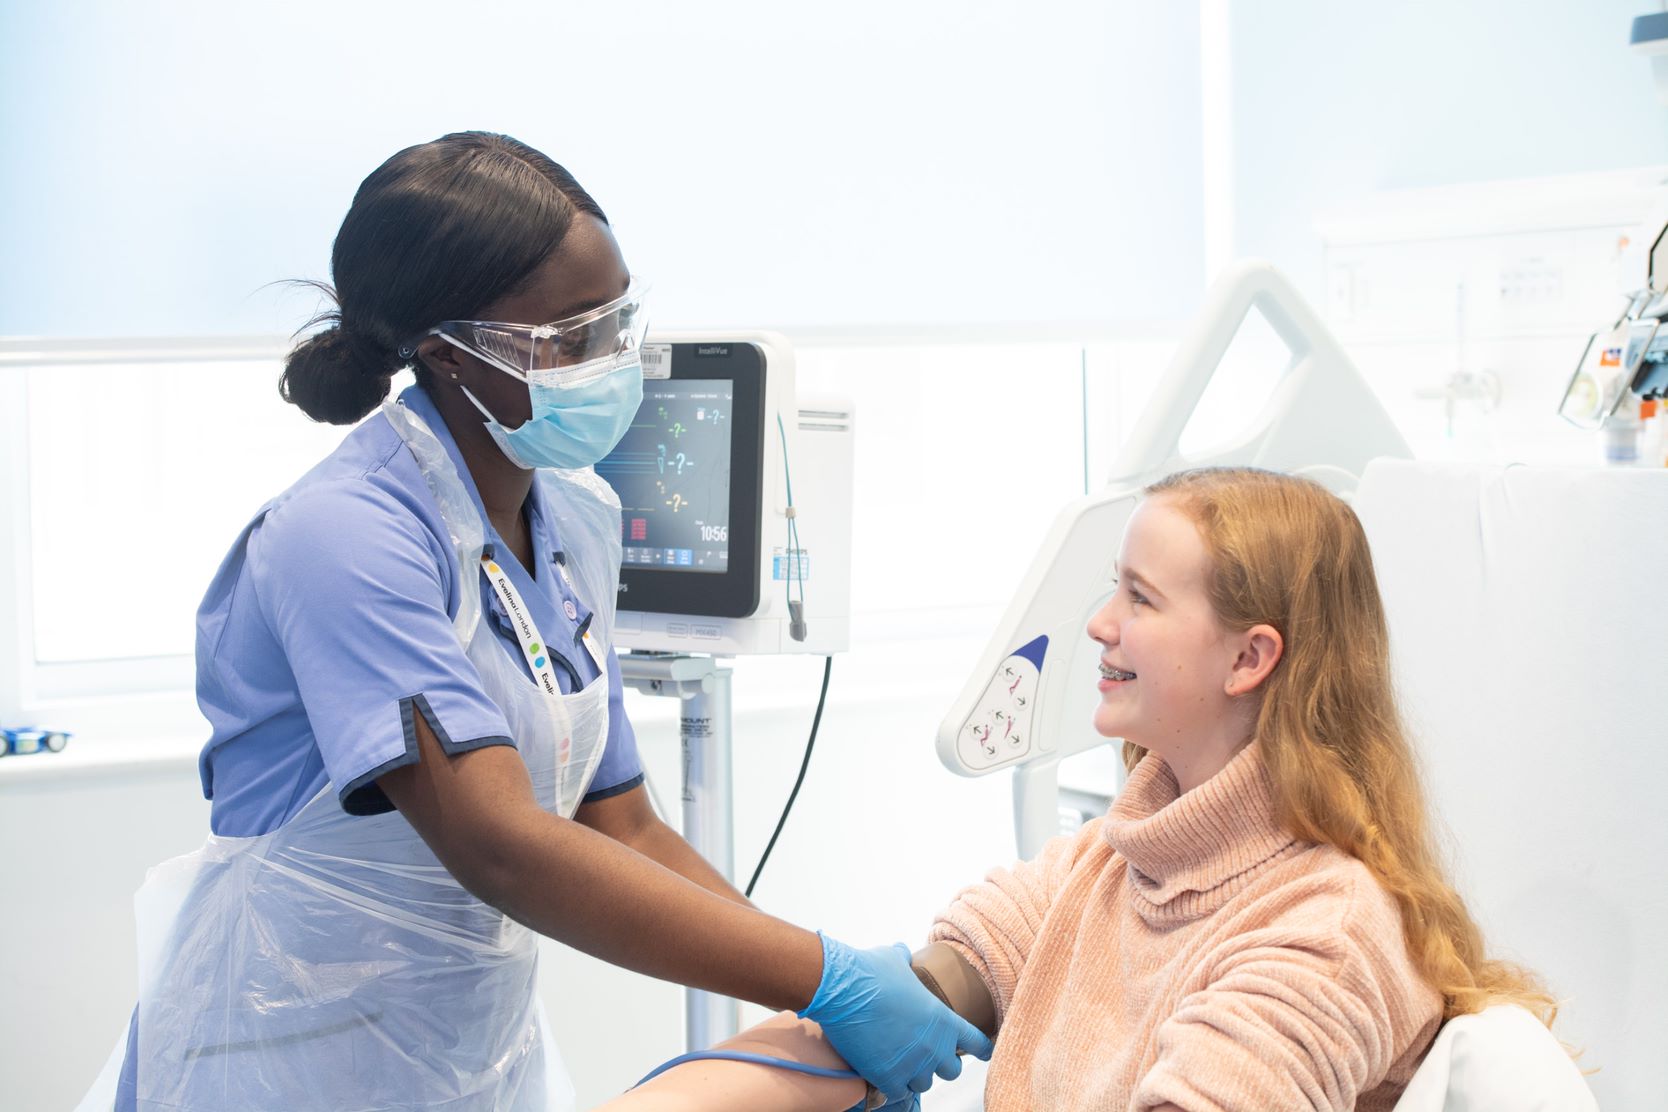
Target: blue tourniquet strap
[[743, 1056]]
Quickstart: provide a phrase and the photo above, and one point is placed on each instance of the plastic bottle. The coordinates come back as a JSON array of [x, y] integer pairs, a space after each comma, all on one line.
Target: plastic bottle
[[1620, 435], [1651, 446]]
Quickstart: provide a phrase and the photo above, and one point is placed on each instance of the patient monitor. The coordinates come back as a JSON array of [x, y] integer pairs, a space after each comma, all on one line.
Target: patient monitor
[[735, 494], [1030, 700]]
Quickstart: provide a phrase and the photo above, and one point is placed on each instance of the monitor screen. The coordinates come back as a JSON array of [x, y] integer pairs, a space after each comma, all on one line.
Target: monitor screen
[[672, 473], [690, 477]]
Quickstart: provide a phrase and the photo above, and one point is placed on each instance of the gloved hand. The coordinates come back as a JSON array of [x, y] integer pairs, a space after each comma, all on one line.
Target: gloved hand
[[885, 1023]]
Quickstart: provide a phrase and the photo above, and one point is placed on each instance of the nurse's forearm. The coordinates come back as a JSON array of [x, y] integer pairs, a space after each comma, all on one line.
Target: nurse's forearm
[[662, 844], [616, 904], [477, 812], [629, 818]]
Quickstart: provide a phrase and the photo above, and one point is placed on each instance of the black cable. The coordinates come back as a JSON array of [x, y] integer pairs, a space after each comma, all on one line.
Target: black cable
[[822, 698]]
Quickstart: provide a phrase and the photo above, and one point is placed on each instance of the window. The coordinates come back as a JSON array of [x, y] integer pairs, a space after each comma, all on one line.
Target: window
[[132, 465]]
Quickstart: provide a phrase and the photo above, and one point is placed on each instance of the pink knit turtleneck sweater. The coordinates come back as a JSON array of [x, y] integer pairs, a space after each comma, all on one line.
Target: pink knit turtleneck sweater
[[1187, 950]]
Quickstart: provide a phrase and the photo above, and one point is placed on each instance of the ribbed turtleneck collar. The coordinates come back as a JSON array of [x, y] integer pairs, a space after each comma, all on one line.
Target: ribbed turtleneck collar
[[1188, 854]]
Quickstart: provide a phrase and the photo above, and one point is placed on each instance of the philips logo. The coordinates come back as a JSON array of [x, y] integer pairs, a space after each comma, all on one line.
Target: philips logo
[[713, 349]]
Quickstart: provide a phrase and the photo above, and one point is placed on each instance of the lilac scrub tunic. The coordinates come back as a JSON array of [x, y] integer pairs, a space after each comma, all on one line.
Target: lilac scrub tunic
[[328, 629]]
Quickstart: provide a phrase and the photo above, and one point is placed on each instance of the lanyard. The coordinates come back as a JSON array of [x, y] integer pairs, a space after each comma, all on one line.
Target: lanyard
[[527, 633], [532, 644]]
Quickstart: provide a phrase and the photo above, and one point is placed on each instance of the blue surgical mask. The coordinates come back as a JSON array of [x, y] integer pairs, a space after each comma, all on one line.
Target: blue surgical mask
[[577, 416]]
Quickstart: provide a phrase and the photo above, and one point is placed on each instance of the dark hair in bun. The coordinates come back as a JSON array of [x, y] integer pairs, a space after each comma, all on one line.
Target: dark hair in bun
[[337, 376], [438, 232]]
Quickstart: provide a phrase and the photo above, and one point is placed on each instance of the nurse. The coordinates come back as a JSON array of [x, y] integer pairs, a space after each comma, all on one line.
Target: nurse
[[420, 758]]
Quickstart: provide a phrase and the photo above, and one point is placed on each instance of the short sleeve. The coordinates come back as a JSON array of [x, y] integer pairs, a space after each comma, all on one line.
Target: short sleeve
[[621, 769], [354, 588]]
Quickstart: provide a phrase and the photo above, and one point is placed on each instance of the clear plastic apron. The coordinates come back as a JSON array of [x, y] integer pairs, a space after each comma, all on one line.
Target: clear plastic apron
[[334, 963]]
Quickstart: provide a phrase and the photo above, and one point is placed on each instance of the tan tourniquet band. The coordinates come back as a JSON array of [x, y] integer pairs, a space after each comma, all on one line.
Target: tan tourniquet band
[[950, 978]]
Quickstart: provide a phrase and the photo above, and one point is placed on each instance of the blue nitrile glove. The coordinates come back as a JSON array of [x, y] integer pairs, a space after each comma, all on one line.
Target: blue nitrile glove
[[885, 1023]]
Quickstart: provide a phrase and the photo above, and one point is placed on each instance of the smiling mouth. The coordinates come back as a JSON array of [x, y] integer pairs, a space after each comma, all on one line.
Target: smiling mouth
[[1111, 673]]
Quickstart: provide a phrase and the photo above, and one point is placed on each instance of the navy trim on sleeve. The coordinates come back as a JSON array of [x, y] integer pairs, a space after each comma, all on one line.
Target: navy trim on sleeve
[[609, 793], [447, 745], [363, 796]]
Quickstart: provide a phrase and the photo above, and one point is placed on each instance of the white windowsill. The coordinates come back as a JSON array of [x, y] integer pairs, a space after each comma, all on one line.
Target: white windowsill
[[102, 757], [115, 735]]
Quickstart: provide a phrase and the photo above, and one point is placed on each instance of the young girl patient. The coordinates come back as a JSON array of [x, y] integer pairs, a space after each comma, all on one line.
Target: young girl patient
[[1261, 921]]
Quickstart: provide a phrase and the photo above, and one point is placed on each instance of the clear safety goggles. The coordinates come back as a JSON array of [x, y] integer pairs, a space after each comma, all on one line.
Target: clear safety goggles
[[578, 347]]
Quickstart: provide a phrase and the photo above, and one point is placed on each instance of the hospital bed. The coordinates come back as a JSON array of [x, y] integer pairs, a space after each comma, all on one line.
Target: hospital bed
[[1528, 648]]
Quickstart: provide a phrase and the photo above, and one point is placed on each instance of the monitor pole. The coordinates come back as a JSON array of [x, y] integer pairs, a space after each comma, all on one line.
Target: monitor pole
[[708, 815]]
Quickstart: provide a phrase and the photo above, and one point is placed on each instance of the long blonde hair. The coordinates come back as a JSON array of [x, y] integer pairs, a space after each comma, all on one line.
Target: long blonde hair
[[1286, 552]]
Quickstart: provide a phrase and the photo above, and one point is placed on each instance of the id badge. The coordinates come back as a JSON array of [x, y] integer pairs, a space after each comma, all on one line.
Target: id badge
[[594, 647]]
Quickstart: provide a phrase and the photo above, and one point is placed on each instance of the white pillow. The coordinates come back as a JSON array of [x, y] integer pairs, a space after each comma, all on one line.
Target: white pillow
[[1500, 1058]]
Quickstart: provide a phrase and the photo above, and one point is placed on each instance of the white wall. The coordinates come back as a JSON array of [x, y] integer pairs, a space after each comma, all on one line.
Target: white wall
[[1445, 148], [765, 164], [79, 846], [1334, 101]]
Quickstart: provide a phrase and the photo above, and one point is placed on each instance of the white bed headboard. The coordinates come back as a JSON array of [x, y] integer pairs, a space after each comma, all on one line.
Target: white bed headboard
[[1529, 625]]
